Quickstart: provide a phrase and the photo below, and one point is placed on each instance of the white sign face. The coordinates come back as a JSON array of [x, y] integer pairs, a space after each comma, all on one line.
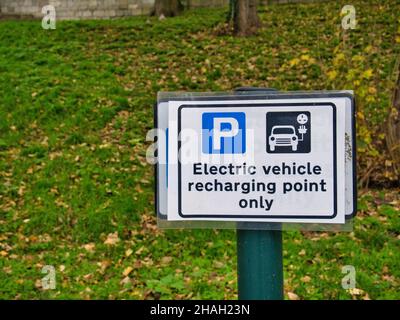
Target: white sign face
[[280, 160]]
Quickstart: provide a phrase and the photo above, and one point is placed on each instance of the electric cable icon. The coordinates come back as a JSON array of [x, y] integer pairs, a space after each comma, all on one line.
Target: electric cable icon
[[302, 131], [302, 119]]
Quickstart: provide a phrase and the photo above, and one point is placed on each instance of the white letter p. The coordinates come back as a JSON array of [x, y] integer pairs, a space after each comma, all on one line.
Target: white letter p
[[218, 133]]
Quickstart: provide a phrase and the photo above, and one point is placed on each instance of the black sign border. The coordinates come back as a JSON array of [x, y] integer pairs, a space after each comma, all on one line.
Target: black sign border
[[237, 216]]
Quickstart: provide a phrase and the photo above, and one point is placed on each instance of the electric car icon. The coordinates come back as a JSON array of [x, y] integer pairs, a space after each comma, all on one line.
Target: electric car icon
[[283, 136]]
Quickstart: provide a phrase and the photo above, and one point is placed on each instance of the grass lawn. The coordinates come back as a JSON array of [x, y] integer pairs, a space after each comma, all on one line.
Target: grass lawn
[[76, 191]]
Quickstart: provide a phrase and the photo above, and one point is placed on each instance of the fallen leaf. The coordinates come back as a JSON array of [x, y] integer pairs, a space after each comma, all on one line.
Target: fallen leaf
[[89, 247], [166, 260], [139, 251], [292, 296], [125, 280], [38, 284], [7, 270], [355, 291], [128, 252], [21, 190], [87, 276], [3, 253], [127, 271], [103, 265], [306, 279], [366, 297], [112, 239]]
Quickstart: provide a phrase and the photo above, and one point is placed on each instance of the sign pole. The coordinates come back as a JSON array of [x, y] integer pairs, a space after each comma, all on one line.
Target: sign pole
[[260, 268], [259, 254]]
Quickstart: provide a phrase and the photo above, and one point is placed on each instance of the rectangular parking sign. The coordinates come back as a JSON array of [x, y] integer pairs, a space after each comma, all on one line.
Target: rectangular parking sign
[[281, 159]]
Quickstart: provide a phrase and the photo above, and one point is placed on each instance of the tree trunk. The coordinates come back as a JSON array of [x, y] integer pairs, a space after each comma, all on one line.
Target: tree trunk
[[240, 21], [393, 125], [254, 20], [245, 17], [167, 8]]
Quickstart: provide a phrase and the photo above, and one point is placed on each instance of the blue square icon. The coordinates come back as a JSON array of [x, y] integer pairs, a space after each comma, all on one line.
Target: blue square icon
[[223, 132]]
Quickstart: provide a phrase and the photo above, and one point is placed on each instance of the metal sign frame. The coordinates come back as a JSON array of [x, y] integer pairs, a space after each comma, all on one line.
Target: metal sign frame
[[263, 94]]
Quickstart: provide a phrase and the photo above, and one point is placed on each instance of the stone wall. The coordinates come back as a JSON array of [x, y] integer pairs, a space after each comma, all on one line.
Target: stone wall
[[97, 9], [77, 9]]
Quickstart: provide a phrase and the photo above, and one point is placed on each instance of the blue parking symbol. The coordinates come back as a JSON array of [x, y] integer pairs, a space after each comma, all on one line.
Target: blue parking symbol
[[223, 132]]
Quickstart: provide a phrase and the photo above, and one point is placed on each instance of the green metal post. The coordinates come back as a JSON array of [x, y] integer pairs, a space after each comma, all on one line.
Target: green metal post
[[260, 269], [259, 253]]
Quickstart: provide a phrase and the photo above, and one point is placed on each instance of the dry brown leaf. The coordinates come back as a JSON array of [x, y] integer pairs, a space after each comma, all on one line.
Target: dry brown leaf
[[355, 291], [7, 270], [366, 297], [21, 190], [166, 260], [125, 280], [89, 247], [38, 283], [139, 251], [103, 265], [306, 279], [385, 269], [112, 239], [292, 296], [388, 278], [87, 276], [127, 271], [128, 252], [3, 253]]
